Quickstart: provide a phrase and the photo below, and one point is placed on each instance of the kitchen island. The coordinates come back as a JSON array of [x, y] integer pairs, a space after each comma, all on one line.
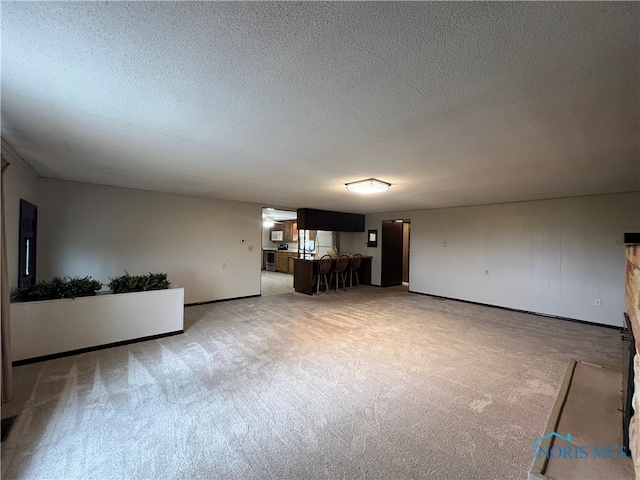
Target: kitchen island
[[305, 269]]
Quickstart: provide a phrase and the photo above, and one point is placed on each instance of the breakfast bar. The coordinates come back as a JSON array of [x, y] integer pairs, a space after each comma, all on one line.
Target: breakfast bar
[[305, 269]]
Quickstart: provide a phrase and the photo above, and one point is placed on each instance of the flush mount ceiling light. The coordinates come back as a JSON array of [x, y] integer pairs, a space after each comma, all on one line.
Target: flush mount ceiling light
[[370, 185], [267, 221]]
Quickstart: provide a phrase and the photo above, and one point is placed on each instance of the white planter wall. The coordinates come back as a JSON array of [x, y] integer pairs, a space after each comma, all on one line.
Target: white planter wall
[[56, 326]]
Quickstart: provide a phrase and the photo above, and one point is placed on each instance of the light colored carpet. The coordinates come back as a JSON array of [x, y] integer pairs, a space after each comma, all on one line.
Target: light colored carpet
[[370, 383]]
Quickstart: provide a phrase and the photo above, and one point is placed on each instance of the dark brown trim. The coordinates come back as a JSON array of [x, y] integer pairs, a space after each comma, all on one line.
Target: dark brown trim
[[586, 322], [53, 356], [632, 238], [7, 423], [218, 301]]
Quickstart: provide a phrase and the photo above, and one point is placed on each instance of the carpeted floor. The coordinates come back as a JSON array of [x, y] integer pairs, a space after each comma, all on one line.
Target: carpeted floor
[[370, 383]]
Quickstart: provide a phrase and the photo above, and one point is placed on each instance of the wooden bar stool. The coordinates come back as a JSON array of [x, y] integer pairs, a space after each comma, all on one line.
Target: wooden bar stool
[[320, 277], [341, 271], [356, 263]]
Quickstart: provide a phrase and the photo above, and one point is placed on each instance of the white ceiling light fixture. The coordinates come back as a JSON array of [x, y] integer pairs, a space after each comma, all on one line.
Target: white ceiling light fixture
[[267, 221], [370, 185]]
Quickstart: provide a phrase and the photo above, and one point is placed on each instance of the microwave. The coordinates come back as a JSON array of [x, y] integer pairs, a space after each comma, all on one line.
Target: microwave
[[276, 236]]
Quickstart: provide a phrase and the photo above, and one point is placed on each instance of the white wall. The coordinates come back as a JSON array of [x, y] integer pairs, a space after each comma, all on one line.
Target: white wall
[[19, 183], [266, 238], [553, 256], [102, 231], [347, 242]]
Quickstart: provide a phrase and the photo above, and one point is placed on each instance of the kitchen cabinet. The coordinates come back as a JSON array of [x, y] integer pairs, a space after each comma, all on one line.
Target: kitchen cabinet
[[284, 262], [309, 218], [287, 231], [290, 228]]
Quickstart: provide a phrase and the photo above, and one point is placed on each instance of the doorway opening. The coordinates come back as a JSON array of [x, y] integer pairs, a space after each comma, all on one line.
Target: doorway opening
[[396, 247], [279, 248]]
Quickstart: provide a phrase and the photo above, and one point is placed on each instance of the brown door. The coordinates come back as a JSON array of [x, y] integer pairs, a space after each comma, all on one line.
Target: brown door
[[392, 237], [405, 251]]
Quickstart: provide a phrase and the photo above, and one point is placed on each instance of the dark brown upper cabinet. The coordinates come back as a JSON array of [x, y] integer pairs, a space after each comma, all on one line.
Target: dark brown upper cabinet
[[312, 219]]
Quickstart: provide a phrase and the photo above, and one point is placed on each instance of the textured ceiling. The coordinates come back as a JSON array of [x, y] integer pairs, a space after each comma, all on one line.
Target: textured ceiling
[[282, 103]]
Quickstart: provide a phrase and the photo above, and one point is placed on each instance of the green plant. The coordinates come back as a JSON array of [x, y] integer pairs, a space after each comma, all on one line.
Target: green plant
[[138, 283], [57, 287], [81, 287]]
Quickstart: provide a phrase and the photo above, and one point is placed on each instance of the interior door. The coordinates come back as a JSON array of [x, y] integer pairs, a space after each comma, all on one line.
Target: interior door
[[392, 236], [405, 251]]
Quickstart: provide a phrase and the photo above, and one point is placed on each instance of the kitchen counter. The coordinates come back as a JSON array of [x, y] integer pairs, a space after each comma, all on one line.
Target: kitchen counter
[[295, 250], [305, 270], [284, 259], [275, 249]]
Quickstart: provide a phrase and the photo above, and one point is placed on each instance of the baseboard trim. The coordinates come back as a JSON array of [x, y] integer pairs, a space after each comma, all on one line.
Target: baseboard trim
[[7, 423], [53, 356], [195, 304], [557, 317]]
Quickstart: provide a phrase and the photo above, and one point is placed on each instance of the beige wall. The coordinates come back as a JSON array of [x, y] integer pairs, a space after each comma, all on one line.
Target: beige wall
[[266, 238], [102, 231], [554, 256], [348, 243]]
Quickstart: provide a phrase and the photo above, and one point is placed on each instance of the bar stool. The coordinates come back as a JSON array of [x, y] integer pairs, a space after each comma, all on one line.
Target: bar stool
[[324, 267], [341, 271], [356, 263]]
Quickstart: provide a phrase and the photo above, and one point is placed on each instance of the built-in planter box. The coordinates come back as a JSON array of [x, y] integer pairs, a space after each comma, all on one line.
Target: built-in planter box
[[52, 327]]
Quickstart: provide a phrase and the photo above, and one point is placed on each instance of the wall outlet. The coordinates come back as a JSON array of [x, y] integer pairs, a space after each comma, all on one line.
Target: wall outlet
[[486, 272], [597, 302], [251, 248]]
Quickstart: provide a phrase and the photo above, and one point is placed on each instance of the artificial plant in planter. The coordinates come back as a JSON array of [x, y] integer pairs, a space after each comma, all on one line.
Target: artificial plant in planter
[[138, 283], [57, 287], [40, 329]]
